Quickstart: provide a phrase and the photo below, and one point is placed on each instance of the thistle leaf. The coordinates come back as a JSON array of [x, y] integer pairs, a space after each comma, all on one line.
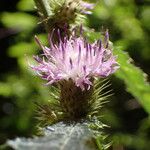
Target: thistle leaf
[[58, 137], [134, 78]]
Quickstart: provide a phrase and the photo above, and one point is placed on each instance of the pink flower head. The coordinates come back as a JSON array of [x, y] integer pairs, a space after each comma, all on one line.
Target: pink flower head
[[76, 59]]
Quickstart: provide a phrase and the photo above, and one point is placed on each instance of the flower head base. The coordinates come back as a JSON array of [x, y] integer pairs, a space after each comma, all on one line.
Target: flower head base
[[60, 13], [75, 59]]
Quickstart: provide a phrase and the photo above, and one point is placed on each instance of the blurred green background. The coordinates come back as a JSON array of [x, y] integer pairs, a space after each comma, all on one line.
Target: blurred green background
[[128, 22]]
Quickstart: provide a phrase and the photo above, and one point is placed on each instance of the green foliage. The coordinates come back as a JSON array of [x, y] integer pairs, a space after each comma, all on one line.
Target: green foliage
[[21, 49], [5, 89], [25, 5], [134, 78], [136, 141], [19, 21], [128, 23]]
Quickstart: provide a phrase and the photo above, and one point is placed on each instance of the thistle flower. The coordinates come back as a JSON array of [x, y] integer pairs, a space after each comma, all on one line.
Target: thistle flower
[[75, 59], [73, 63], [60, 13]]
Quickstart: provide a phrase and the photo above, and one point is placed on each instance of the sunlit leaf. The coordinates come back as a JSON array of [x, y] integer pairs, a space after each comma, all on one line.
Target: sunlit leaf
[[19, 21], [134, 78], [58, 137], [5, 89], [25, 5], [21, 49], [145, 15]]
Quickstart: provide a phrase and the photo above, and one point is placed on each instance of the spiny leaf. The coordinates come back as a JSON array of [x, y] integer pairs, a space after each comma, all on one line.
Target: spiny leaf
[[101, 139], [134, 78], [59, 137]]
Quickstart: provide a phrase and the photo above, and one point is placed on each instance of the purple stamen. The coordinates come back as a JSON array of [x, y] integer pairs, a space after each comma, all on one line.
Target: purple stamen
[[79, 54], [71, 64], [106, 40], [76, 59]]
